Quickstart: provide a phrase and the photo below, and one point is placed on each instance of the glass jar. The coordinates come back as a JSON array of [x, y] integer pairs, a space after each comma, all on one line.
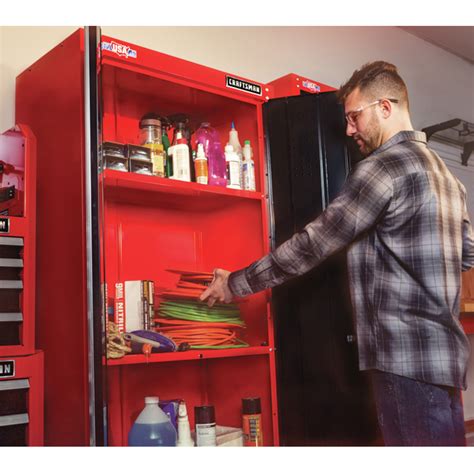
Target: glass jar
[[150, 129]]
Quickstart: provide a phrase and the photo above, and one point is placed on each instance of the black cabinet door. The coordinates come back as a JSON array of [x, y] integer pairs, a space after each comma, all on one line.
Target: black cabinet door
[[323, 398]]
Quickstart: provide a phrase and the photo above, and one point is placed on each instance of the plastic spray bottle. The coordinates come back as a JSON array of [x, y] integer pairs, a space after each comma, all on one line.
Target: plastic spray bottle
[[248, 167], [184, 431], [200, 165], [181, 164], [233, 168], [234, 141], [152, 427]]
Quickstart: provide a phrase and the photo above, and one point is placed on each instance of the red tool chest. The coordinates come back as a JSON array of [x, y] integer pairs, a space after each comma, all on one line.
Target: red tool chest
[[21, 400], [150, 224], [17, 241]]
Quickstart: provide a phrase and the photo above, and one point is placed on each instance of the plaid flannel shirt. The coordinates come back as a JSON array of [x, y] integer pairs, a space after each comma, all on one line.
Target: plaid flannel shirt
[[404, 216]]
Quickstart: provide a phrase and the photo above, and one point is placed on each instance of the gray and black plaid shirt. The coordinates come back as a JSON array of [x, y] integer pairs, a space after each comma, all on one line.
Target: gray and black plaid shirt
[[405, 216]]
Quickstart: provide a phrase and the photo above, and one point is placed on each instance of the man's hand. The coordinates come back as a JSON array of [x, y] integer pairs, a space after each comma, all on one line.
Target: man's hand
[[218, 289]]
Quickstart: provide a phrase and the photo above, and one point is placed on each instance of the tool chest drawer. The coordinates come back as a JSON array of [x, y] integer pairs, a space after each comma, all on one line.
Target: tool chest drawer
[[21, 400]]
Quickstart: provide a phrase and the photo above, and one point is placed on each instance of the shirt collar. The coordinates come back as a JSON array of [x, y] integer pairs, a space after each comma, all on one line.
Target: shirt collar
[[404, 136]]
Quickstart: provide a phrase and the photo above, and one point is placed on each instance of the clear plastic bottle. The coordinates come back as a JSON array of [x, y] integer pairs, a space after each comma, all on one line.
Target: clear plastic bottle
[[216, 164], [233, 168], [248, 167], [152, 427], [234, 141]]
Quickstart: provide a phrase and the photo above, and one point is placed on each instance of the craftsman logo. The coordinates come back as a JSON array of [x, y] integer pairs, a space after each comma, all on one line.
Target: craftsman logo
[[119, 49], [311, 86], [245, 86], [4, 225], [7, 368]]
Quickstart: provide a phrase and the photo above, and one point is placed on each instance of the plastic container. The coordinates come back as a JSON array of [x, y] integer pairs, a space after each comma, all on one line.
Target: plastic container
[[181, 163], [234, 141], [152, 427], [140, 159], [216, 164], [233, 168], [248, 168], [200, 165], [184, 430], [114, 157]]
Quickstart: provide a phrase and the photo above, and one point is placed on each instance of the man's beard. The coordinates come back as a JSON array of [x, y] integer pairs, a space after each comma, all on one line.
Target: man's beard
[[368, 141]]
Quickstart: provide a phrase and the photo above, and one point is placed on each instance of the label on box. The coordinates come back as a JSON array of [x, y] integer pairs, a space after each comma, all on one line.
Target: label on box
[[4, 225], [245, 86], [7, 368]]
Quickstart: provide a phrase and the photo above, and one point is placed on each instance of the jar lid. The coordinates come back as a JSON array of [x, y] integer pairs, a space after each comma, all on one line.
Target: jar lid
[[150, 119], [251, 406], [204, 414], [150, 123]]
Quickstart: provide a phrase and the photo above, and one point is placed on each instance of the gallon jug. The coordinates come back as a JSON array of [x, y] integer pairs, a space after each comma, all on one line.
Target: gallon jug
[[152, 427], [216, 164]]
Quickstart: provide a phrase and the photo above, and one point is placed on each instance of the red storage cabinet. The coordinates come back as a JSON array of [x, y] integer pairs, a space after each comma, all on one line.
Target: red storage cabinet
[[294, 84], [21, 400], [17, 241], [150, 224]]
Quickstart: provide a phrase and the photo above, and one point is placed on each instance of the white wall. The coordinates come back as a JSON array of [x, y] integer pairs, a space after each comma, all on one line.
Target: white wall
[[441, 85]]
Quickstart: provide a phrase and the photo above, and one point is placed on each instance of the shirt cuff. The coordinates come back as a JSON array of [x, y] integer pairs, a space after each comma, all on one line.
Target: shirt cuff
[[238, 283]]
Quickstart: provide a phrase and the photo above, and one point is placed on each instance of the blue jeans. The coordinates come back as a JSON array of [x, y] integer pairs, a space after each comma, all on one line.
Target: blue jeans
[[414, 413]]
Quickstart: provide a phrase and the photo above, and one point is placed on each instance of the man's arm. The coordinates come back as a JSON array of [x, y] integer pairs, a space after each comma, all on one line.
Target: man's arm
[[467, 243], [360, 204]]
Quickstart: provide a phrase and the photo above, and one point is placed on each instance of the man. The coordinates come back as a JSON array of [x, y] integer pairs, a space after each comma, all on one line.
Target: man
[[403, 216]]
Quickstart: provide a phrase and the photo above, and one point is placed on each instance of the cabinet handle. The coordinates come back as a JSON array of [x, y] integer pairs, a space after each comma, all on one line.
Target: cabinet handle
[[14, 241], [10, 420], [11, 317], [17, 384], [11, 284], [11, 262]]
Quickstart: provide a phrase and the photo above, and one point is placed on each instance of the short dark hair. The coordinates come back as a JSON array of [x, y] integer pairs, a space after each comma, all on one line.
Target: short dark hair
[[376, 80]]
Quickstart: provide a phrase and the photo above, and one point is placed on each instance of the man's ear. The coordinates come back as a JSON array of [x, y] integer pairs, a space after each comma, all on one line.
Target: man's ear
[[386, 107]]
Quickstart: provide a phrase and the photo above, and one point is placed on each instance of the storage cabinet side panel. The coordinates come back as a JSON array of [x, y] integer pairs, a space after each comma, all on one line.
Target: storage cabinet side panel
[[49, 98]]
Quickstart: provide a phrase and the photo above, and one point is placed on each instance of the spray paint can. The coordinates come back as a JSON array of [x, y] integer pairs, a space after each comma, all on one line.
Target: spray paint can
[[205, 421], [252, 422]]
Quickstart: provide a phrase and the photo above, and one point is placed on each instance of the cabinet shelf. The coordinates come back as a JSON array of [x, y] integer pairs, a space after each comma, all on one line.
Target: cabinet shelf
[[134, 188], [190, 355]]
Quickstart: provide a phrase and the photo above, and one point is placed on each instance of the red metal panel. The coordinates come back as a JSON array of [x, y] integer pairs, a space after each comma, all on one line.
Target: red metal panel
[[175, 69], [294, 84], [49, 98]]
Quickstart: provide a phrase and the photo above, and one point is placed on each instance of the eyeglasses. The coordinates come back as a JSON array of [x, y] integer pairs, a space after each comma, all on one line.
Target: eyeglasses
[[352, 115]]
